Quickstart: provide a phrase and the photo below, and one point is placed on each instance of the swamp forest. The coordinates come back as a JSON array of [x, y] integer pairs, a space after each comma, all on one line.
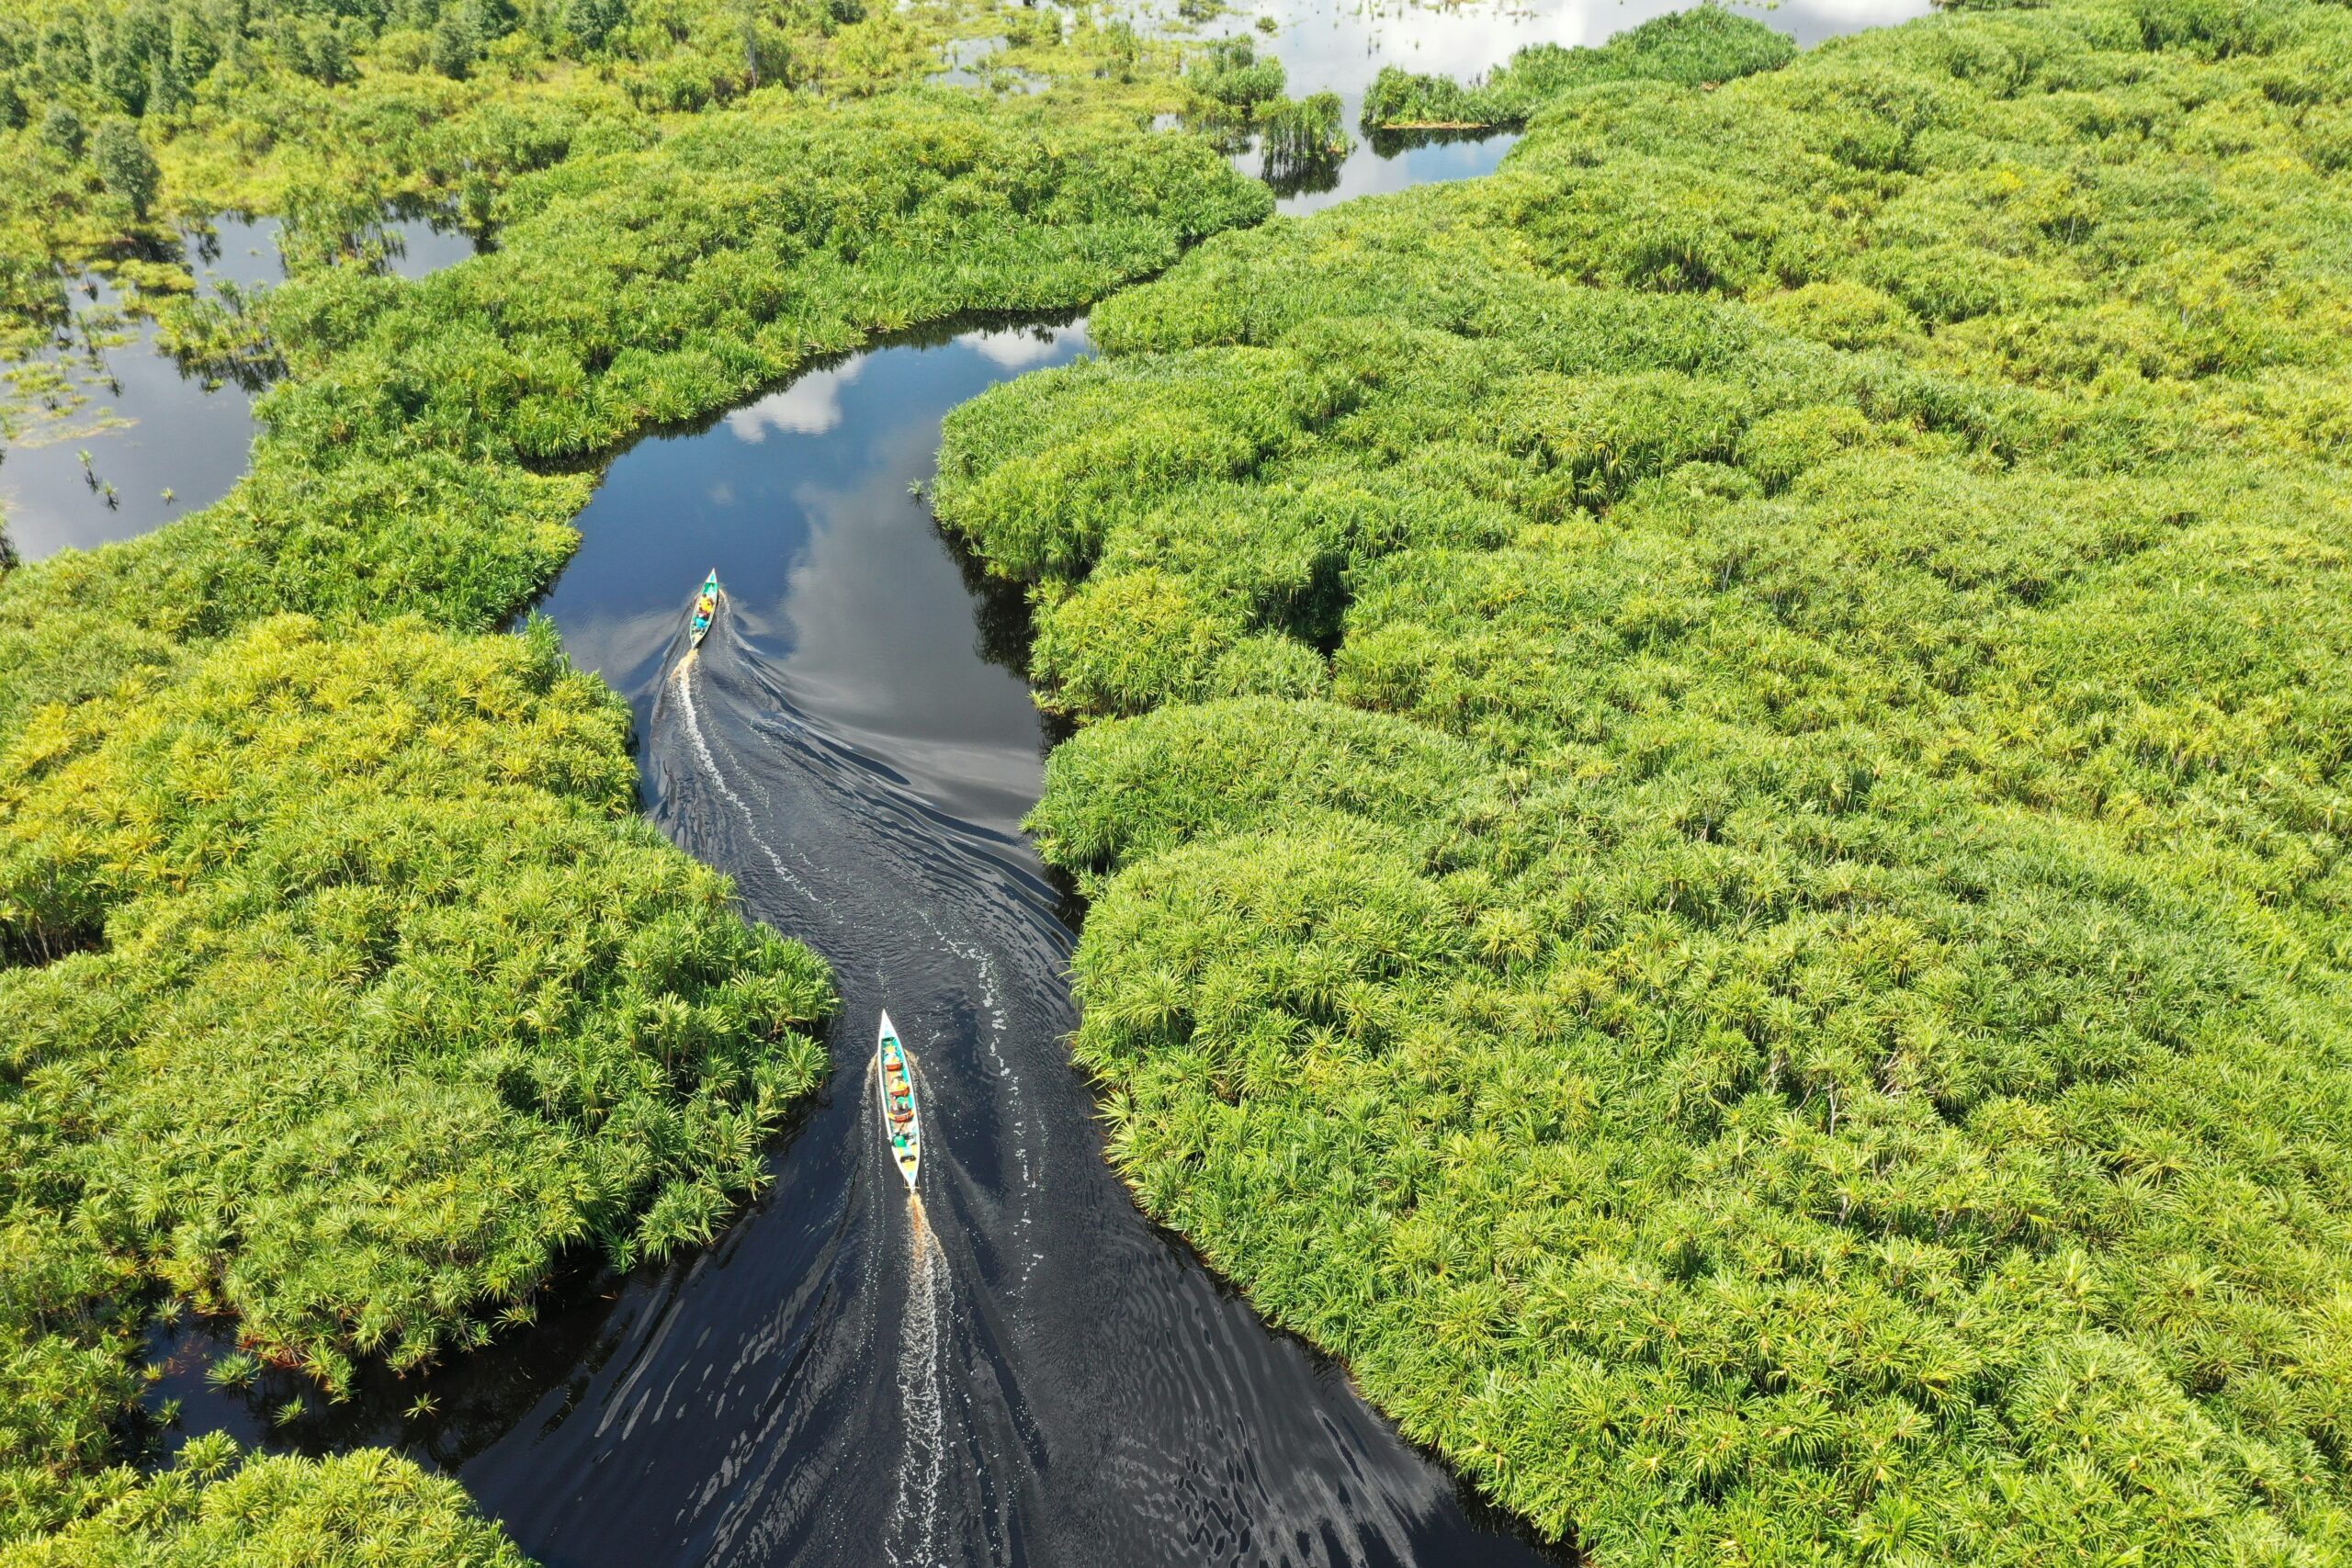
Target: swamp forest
[[1595, 754]]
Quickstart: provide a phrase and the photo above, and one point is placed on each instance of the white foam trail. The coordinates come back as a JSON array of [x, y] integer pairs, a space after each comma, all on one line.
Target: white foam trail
[[915, 1513], [710, 766]]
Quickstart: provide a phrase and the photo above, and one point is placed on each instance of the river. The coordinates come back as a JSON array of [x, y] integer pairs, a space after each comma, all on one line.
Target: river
[[1018, 1368]]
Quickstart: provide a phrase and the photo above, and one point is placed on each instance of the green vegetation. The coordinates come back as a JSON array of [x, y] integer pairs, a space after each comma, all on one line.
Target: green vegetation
[[1698, 47], [400, 997], [207, 1512], [1237, 95], [60, 131], [327, 113], [1230, 71], [1299, 133], [126, 167], [272, 105], [346, 988], [1713, 789]]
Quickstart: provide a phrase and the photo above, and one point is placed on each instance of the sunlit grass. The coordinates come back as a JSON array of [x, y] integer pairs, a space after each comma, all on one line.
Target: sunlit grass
[[1698, 47], [324, 116]]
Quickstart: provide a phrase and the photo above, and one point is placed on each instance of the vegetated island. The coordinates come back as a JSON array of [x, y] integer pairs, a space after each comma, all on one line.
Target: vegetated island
[[344, 988], [1713, 785]]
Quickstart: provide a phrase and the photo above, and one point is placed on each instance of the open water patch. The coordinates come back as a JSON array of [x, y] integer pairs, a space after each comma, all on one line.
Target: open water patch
[[967, 66], [154, 439], [1340, 46]]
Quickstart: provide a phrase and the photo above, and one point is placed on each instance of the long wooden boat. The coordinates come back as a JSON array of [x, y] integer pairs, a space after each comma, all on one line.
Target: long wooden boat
[[706, 607], [900, 1122]]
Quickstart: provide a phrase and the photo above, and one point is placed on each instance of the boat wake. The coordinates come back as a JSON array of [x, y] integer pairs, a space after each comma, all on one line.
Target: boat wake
[[914, 1541], [684, 686], [1018, 1369]]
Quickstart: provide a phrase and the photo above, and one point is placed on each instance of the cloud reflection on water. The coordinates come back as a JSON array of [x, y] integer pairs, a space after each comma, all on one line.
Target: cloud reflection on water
[[811, 406]]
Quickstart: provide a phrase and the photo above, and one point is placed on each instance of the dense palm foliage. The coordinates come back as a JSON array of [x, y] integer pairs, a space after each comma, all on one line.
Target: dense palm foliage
[[632, 288], [1697, 48], [323, 113], [468, 1009], [359, 1510], [344, 988], [1714, 789]]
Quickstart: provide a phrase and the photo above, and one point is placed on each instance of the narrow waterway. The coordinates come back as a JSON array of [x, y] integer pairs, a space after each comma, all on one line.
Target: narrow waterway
[[1018, 1368]]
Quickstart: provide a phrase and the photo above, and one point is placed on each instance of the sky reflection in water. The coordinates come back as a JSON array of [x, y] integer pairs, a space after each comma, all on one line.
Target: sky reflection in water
[[833, 570], [1334, 46]]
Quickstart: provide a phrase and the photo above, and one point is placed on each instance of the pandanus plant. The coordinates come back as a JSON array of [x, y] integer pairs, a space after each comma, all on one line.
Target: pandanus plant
[[1649, 1008]]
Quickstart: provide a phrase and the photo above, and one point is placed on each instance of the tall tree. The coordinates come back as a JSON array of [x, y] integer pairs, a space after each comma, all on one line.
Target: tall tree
[[62, 128], [126, 166]]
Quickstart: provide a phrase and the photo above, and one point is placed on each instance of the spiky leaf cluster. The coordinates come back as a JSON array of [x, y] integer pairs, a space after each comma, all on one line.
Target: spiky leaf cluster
[[1713, 787], [1698, 47], [343, 988], [392, 996]]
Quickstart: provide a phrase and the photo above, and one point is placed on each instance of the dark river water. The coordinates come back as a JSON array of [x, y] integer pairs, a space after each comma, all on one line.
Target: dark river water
[[1018, 1368]]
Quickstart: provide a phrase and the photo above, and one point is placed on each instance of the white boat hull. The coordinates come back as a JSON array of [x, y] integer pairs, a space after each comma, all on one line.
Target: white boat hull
[[901, 1121]]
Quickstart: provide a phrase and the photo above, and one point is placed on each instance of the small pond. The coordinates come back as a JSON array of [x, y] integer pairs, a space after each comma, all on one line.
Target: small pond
[[151, 425], [1338, 46]]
